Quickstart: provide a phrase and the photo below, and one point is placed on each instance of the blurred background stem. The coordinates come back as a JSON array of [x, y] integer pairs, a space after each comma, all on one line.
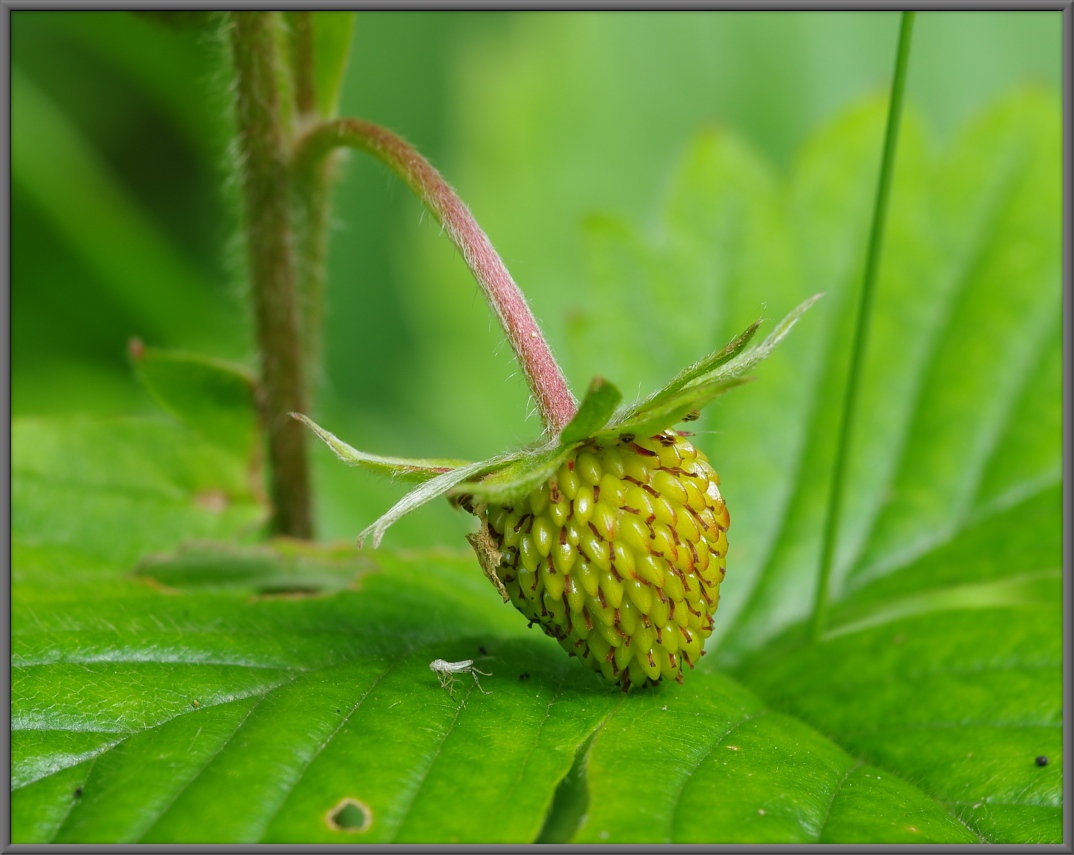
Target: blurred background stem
[[263, 164]]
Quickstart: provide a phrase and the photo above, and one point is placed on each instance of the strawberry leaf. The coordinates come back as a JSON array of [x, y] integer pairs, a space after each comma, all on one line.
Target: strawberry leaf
[[521, 473], [211, 396], [246, 715]]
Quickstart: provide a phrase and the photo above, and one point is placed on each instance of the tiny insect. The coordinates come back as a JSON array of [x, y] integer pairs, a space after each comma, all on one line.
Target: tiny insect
[[1041, 761], [446, 671]]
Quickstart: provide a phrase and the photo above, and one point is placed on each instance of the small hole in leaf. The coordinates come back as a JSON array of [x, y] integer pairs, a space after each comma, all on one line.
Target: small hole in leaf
[[349, 815]]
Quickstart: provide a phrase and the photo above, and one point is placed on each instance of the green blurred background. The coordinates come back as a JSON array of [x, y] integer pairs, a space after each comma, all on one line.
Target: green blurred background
[[124, 207]]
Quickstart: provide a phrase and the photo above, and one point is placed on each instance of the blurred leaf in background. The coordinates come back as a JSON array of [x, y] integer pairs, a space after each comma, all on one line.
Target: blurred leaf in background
[[654, 182], [538, 119]]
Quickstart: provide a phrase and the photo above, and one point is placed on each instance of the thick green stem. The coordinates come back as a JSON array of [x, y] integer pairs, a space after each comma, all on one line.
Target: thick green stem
[[312, 204], [861, 333], [266, 189], [554, 400]]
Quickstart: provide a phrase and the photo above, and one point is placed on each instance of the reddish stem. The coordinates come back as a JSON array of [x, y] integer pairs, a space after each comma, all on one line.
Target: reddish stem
[[549, 387]]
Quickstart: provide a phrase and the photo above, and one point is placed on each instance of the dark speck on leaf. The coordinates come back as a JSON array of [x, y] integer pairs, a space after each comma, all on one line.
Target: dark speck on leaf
[[337, 709], [524, 676], [1041, 761], [78, 792], [482, 650]]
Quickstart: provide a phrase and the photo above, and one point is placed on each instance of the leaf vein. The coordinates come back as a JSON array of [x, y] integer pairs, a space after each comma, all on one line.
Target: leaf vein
[[716, 743], [857, 764], [204, 766], [275, 810]]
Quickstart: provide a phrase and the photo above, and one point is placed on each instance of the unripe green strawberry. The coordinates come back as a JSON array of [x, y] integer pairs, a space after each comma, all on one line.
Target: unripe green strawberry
[[619, 555]]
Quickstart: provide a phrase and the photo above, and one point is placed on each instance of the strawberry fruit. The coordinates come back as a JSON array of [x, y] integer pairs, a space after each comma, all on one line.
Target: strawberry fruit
[[619, 555]]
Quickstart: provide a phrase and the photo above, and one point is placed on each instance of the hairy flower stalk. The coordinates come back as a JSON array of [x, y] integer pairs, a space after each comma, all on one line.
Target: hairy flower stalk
[[549, 387]]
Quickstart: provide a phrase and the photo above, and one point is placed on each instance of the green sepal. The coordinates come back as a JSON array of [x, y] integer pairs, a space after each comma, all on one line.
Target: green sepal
[[518, 478], [671, 410], [703, 381], [593, 413], [402, 468], [428, 491], [705, 366]]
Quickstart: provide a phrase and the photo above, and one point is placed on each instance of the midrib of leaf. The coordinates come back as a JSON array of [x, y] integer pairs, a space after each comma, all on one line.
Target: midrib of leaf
[[1029, 492], [152, 657], [153, 820], [20, 724], [126, 734], [17, 781]]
